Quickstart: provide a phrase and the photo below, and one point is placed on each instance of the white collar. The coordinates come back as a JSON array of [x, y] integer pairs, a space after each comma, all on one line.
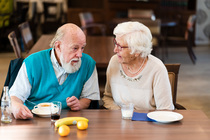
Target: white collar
[[55, 61]]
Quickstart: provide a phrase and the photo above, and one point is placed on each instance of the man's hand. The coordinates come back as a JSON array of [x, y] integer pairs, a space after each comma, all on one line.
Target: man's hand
[[19, 110], [75, 104]]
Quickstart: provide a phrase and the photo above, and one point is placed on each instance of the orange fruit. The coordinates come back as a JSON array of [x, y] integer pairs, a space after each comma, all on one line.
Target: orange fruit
[[82, 125], [63, 130]]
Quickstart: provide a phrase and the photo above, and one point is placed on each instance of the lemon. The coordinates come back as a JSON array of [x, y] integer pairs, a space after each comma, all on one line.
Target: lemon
[[82, 125], [63, 130]]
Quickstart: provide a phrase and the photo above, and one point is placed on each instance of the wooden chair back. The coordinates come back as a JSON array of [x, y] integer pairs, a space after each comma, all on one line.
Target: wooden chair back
[[173, 72], [86, 18], [187, 39], [14, 43], [26, 35], [89, 26]]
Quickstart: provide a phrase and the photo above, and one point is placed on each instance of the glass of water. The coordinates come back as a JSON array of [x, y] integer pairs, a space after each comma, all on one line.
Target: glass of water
[[127, 110]]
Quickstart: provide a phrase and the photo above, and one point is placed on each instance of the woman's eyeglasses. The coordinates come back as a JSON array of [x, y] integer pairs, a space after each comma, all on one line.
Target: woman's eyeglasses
[[118, 46]]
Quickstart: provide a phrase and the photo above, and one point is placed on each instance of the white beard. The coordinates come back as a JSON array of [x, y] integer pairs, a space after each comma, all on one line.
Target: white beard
[[68, 67]]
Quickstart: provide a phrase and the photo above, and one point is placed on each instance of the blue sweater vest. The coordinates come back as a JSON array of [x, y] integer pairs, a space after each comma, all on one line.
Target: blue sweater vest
[[45, 86]]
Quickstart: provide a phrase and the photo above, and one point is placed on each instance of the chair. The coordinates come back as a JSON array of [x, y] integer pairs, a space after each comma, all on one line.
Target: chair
[[14, 43], [54, 15], [89, 26], [173, 71], [13, 70], [29, 12], [141, 14], [27, 36], [187, 39]]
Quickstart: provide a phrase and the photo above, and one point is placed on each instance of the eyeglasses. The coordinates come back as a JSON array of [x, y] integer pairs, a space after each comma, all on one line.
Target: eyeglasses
[[118, 46]]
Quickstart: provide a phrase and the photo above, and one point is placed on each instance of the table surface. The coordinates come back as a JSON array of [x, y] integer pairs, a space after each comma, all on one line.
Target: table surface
[[100, 48], [106, 124]]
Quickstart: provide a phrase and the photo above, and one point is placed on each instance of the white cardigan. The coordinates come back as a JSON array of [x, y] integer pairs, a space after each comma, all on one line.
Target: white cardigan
[[147, 91]]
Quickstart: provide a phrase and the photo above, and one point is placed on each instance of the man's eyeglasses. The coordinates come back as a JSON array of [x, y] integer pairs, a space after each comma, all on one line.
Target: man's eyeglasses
[[118, 46]]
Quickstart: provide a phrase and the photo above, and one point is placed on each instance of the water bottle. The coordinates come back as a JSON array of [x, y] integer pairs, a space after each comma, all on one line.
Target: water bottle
[[5, 107]]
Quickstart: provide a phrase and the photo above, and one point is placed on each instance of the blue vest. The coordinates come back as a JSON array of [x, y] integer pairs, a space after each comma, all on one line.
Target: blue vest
[[45, 86]]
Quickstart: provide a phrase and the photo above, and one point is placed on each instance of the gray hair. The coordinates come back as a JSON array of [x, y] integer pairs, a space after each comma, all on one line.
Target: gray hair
[[58, 36], [137, 36]]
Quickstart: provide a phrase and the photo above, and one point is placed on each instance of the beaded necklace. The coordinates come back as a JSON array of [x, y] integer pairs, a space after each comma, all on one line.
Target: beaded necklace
[[138, 69]]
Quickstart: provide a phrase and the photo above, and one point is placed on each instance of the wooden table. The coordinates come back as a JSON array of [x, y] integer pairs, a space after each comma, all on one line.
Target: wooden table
[[108, 125], [100, 48]]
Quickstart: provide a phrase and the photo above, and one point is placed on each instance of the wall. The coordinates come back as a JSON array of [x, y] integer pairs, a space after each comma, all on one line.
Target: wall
[[202, 32]]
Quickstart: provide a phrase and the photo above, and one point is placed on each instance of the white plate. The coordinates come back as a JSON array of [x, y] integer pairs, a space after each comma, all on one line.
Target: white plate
[[40, 113], [165, 116]]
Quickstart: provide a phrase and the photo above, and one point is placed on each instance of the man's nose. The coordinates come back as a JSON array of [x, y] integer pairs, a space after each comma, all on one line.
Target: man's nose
[[79, 53]]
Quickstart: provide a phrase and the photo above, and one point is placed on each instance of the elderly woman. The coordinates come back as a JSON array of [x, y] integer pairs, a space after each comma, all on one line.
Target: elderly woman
[[133, 74]]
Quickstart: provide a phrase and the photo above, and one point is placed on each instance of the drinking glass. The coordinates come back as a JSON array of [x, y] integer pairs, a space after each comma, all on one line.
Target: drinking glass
[[55, 110], [127, 110]]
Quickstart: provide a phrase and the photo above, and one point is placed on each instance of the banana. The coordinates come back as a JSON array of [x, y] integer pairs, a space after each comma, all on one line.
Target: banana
[[69, 121]]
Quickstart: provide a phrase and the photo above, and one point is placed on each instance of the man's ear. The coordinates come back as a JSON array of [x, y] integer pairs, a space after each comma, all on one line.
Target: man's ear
[[57, 46]]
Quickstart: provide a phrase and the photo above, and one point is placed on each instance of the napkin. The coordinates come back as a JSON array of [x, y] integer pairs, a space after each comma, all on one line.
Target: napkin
[[141, 117]]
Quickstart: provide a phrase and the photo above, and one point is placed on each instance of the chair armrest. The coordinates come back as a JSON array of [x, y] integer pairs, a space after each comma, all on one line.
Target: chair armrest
[[180, 107]]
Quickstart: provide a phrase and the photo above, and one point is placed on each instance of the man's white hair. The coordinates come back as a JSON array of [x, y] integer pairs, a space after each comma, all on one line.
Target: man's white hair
[[137, 36], [59, 34]]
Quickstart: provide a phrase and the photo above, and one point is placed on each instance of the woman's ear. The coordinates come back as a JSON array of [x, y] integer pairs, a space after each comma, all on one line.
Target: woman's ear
[[137, 54]]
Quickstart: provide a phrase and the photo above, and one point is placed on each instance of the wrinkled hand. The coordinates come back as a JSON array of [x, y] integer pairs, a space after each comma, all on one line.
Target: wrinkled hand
[[73, 103], [20, 111]]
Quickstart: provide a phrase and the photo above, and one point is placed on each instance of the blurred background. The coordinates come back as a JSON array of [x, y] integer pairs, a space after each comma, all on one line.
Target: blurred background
[[181, 27]]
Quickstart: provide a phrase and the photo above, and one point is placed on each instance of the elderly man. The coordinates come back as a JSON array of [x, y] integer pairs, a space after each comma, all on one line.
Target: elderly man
[[62, 73]]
